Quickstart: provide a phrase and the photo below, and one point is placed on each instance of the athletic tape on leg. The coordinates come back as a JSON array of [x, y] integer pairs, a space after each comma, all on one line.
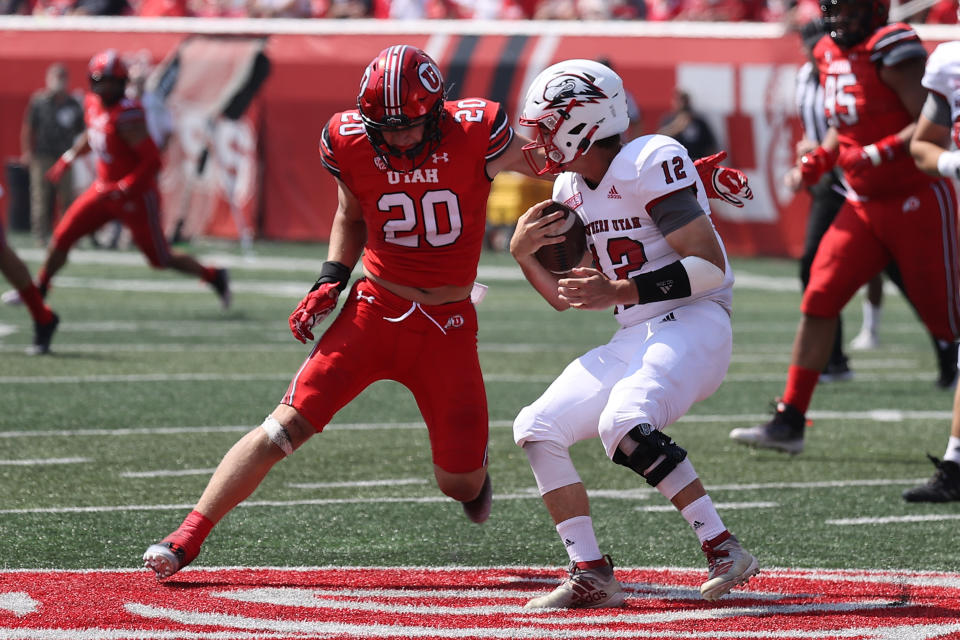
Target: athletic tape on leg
[[278, 434]]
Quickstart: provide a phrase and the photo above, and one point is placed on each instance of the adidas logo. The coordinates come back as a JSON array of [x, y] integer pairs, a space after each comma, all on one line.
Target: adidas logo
[[613, 194], [696, 523], [669, 318], [567, 542], [665, 286]]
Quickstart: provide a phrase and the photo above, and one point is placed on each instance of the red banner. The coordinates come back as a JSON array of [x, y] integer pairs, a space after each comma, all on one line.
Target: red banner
[[742, 85]]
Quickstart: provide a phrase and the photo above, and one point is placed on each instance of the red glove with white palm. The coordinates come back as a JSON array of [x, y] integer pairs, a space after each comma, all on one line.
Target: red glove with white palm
[[316, 306], [723, 183]]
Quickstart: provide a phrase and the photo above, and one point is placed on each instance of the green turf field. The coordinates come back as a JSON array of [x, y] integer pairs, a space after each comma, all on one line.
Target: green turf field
[[106, 444]]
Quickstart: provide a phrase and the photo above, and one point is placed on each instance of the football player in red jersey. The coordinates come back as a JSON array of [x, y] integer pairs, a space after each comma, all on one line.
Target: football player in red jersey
[[871, 73], [413, 172], [125, 188]]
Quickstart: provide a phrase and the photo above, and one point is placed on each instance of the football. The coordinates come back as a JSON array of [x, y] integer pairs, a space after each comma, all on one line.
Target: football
[[562, 257]]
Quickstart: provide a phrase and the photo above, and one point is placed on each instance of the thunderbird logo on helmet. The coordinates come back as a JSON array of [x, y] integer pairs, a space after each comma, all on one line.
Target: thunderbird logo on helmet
[[562, 89]]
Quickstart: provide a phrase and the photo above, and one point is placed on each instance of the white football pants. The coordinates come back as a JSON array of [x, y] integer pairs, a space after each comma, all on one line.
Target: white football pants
[[651, 372]]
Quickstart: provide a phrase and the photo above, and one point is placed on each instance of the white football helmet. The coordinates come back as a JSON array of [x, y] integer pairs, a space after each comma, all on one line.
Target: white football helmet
[[570, 105]]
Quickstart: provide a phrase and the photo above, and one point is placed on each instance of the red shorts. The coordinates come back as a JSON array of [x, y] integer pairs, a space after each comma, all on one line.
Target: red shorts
[[140, 213], [917, 230], [431, 350]]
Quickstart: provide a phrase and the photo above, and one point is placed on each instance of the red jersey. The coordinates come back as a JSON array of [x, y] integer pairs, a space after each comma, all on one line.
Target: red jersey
[[864, 109], [115, 158], [425, 227]]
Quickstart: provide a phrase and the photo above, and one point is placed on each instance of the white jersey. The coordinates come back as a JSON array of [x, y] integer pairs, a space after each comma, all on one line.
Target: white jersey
[[620, 232], [942, 73]]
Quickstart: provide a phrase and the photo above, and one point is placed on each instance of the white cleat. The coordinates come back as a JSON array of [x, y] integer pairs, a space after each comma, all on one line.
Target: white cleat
[[591, 588], [11, 297], [730, 565], [866, 340], [164, 559]]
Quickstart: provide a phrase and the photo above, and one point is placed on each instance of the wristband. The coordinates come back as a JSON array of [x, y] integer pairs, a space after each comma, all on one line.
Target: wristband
[[948, 164], [679, 279], [332, 271]]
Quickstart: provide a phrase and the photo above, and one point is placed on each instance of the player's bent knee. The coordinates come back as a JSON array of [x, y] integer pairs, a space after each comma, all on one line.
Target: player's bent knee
[[462, 487], [654, 454], [551, 465]]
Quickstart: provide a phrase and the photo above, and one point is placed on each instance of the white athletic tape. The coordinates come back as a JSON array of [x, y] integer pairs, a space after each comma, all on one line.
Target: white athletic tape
[[703, 275], [278, 434]]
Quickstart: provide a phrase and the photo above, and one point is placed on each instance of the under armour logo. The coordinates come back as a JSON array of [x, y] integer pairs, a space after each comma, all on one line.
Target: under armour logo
[[454, 321], [369, 299], [437, 157], [613, 194]]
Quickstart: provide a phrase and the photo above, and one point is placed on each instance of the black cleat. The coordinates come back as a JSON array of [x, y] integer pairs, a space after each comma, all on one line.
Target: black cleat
[[784, 432], [944, 486], [221, 284], [478, 509], [42, 335], [836, 371]]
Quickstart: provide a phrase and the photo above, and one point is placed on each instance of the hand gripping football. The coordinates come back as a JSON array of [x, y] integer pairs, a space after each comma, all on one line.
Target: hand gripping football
[[562, 257]]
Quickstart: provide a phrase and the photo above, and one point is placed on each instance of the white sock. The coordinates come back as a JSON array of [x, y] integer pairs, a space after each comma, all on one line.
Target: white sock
[[578, 537], [703, 518], [953, 450], [871, 317]]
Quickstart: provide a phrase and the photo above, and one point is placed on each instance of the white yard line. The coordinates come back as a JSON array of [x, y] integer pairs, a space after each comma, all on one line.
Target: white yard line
[[170, 473], [929, 517], [42, 461]]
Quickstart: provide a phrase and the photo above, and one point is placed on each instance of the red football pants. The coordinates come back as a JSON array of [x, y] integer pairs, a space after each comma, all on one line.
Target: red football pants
[[431, 350], [917, 230], [140, 213]]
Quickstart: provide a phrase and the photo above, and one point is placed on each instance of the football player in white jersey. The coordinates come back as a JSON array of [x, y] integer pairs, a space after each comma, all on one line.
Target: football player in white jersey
[[655, 257], [934, 149]]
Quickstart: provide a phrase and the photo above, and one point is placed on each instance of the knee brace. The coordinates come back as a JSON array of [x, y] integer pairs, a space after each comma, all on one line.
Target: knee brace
[[651, 446], [278, 434]]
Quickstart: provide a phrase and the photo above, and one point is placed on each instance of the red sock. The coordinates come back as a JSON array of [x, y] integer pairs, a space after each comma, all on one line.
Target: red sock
[[39, 310], [209, 274], [801, 383], [191, 534]]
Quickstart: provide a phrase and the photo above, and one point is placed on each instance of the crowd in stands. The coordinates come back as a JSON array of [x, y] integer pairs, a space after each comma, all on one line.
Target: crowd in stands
[[796, 11]]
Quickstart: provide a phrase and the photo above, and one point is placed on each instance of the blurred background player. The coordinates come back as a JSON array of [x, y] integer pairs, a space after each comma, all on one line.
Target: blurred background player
[[935, 153], [411, 317], [51, 124], [871, 74], [688, 127], [666, 276], [125, 188]]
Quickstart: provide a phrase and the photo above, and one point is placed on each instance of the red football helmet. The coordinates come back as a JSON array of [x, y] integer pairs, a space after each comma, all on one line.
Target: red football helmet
[[850, 22], [402, 88], [107, 64]]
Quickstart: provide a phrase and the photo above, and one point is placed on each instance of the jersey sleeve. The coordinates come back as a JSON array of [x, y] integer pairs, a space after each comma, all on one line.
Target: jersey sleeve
[[130, 114], [663, 167], [895, 43], [327, 156], [942, 66], [501, 134]]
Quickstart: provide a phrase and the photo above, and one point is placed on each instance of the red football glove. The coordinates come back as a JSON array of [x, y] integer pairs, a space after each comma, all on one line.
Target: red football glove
[[316, 306], [723, 183], [55, 173], [854, 160], [816, 163]]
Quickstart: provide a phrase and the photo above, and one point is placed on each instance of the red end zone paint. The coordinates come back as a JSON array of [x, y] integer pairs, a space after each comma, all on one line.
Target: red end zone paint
[[394, 603]]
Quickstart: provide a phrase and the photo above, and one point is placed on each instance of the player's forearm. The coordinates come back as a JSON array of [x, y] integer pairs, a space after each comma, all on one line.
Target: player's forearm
[[542, 280], [146, 170], [347, 238]]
